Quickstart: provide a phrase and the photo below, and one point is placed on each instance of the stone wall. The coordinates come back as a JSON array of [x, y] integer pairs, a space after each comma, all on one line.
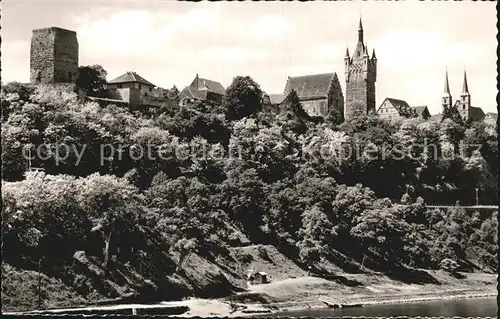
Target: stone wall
[[136, 100], [53, 56], [159, 102], [317, 107], [360, 96]]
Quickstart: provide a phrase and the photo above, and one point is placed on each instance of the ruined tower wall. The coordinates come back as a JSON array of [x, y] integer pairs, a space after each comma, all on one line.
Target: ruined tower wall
[[53, 56]]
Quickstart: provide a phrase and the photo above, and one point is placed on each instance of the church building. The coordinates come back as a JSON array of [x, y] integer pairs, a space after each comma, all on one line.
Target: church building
[[319, 94], [463, 105]]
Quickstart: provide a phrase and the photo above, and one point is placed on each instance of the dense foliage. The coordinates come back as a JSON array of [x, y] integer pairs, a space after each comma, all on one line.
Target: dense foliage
[[196, 180]]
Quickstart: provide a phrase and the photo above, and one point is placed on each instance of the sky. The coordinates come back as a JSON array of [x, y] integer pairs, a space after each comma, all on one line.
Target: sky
[[169, 42]]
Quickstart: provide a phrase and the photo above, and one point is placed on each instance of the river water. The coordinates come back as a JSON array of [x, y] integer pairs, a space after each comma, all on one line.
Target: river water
[[477, 307]]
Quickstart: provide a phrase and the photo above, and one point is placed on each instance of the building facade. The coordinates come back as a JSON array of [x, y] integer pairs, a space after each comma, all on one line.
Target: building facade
[[490, 119], [360, 76], [137, 92], [203, 90], [319, 94], [394, 109], [53, 56]]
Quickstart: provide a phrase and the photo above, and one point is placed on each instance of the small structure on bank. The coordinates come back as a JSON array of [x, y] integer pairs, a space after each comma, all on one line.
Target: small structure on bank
[[255, 278]]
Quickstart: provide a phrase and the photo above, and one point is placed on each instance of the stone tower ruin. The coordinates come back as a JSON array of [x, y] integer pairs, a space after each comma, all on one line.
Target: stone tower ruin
[[360, 76], [53, 56]]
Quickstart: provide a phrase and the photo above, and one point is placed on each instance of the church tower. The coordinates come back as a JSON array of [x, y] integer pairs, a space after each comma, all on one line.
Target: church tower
[[464, 104], [360, 76], [446, 100]]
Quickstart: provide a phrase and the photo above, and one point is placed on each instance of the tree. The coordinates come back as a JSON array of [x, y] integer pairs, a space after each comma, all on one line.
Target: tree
[[381, 231], [92, 80], [243, 98], [112, 205], [174, 93], [453, 114], [315, 235]]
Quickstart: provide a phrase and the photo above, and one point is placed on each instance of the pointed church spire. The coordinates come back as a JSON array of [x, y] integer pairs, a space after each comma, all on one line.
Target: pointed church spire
[[465, 89], [360, 31], [347, 53], [446, 84], [374, 57]]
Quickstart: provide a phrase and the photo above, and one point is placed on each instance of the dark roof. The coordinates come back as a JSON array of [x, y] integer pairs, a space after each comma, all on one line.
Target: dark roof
[[401, 106], [276, 98], [193, 93], [493, 115], [130, 76], [436, 117], [476, 113], [419, 109], [205, 84], [309, 86]]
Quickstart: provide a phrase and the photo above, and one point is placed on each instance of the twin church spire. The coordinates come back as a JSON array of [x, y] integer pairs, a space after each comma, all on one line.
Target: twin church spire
[[463, 105], [465, 87]]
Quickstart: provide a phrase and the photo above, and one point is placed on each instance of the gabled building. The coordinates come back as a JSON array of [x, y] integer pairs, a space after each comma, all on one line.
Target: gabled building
[[203, 89], [422, 112], [394, 108], [138, 92], [490, 118], [319, 94], [132, 80]]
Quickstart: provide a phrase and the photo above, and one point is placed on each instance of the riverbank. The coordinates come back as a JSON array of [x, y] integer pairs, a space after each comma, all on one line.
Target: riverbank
[[296, 294], [207, 308], [303, 293]]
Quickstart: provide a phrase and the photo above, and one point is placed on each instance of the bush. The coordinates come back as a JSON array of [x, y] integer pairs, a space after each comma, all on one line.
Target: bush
[[449, 265]]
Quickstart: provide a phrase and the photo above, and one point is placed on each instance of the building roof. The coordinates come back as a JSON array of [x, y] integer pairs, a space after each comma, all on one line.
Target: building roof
[[276, 98], [401, 106], [446, 85], [193, 93], [491, 114], [419, 109], [210, 85], [476, 113], [130, 76], [309, 86], [465, 88], [436, 117]]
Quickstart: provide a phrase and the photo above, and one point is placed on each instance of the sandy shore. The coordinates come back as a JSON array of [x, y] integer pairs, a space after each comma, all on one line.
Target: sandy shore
[[202, 307]]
